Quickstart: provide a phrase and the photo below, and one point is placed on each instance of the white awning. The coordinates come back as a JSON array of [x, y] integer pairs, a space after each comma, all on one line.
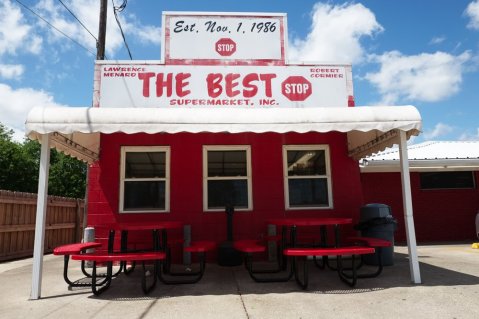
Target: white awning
[[75, 130]]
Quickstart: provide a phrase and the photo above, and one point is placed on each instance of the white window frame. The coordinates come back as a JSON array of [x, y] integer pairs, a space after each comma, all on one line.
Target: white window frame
[[318, 147], [248, 178], [166, 179]]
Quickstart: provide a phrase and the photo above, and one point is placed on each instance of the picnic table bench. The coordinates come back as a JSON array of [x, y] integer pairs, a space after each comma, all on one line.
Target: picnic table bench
[[339, 252], [378, 244], [109, 258], [74, 249], [249, 247], [200, 248]]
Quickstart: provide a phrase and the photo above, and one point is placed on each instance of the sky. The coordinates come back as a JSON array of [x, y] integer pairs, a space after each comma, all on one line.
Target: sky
[[422, 53]]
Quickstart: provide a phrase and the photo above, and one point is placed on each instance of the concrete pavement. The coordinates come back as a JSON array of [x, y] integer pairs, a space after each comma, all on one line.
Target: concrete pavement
[[450, 289]]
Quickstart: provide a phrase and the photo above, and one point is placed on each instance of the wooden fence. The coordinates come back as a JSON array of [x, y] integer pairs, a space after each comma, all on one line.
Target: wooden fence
[[64, 223]]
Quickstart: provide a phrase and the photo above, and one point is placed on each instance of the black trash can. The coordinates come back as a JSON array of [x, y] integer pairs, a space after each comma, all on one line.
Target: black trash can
[[376, 221]]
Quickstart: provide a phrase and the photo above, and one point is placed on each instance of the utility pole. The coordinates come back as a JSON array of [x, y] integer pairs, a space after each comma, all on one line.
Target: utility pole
[[100, 50]]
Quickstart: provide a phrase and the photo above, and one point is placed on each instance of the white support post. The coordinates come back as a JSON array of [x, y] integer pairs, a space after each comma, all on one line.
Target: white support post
[[408, 212], [42, 198]]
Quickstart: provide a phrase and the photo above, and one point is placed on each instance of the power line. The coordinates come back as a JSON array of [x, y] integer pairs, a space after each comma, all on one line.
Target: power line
[[51, 25], [115, 11], [84, 27], [121, 7]]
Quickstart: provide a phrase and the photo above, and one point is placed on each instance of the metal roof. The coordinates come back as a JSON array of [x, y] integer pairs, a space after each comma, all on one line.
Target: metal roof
[[427, 156]]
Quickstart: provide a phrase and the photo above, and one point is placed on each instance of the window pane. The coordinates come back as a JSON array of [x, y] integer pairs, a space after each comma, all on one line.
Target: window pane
[[227, 163], [222, 193], [301, 163], [145, 164], [144, 195], [308, 192], [435, 180]]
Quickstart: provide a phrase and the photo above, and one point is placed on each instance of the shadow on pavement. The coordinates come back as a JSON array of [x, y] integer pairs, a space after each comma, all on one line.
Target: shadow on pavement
[[236, 281]]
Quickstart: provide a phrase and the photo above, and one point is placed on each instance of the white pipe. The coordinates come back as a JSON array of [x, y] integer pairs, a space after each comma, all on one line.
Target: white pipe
[[42, 198], [407, 204]]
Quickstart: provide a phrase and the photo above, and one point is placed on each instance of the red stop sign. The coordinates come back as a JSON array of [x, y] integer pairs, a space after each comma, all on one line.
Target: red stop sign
[[296, 88], [225, 47]]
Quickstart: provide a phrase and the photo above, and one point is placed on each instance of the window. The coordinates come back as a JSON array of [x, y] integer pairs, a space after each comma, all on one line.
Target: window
[[144, 179], [447, 180], [307, 177], [226, 177]]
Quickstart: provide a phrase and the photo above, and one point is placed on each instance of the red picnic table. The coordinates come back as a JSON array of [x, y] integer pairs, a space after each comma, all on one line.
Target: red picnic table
[[294, 222]]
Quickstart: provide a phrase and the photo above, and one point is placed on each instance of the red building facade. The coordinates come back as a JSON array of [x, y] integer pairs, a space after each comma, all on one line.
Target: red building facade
[[186, 193], [439, 214]]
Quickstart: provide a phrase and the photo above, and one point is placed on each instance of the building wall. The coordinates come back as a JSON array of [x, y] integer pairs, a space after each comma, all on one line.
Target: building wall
[[186, 181], [439, 215]]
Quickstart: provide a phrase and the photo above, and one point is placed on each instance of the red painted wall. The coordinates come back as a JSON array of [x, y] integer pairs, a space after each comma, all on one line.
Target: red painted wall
[[186, 182], [439, 215]]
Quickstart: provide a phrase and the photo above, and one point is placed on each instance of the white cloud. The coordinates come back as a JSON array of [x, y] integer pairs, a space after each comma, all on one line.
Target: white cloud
[[335, 34], [437, 40], [472, 11], [87, 12], [15, 34], [423, 77], [16, 103], [58, 16], [149, 34], [470, 137], [440, 129], [11, 71], [35, 45]]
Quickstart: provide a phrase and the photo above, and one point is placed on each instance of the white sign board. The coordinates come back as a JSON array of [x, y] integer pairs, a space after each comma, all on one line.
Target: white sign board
[[159, 85], [223, 37]]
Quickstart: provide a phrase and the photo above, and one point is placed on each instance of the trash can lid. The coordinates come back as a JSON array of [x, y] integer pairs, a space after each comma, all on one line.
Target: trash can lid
[[377, 205], [374, 210]]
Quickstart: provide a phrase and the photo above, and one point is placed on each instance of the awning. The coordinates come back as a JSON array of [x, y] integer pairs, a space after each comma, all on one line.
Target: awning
[[75, 130]]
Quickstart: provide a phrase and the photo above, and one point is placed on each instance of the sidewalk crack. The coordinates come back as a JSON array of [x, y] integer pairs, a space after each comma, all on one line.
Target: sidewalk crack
[[240, 295]]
